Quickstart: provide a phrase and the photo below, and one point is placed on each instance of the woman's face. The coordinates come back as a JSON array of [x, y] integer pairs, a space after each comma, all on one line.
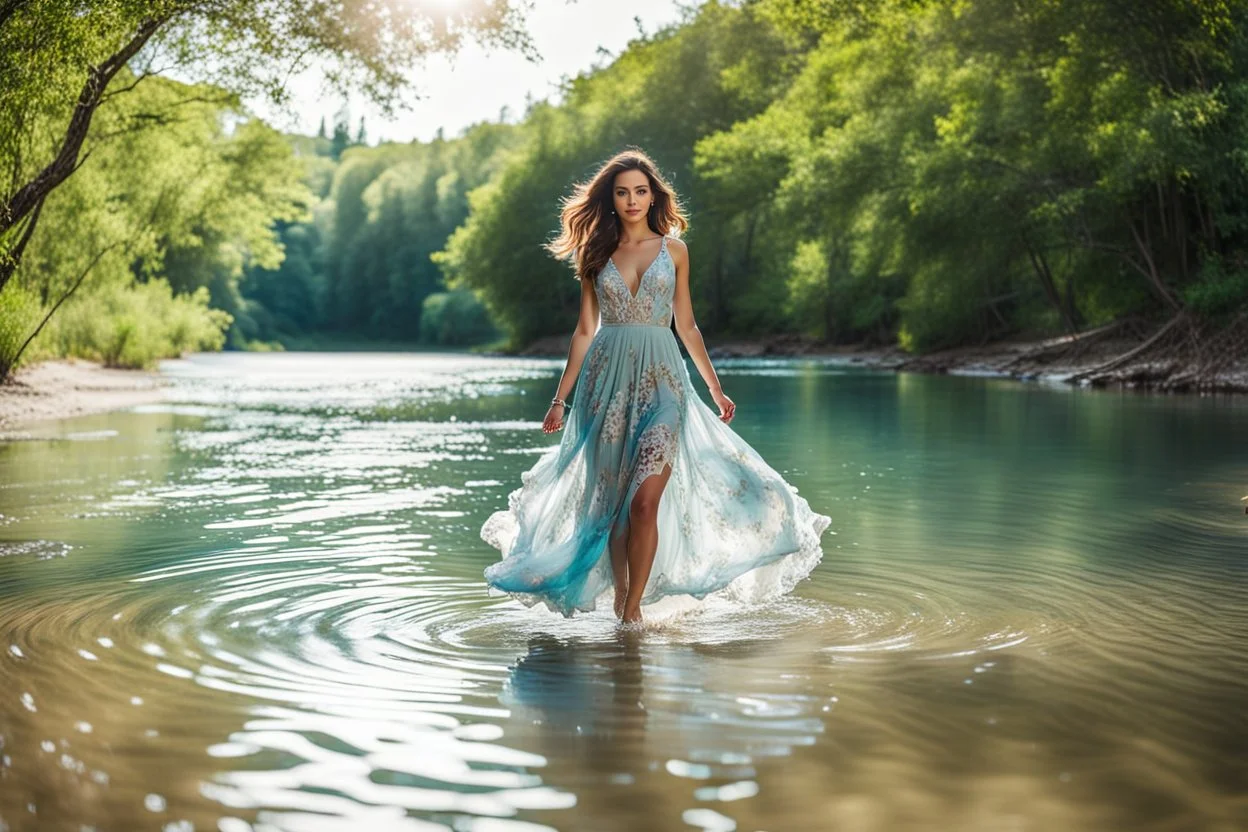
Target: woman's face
[[632, 195]]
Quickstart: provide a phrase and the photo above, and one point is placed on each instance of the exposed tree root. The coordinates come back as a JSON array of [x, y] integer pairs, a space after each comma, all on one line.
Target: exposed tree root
[[1184, 354], [1115, 363], [1065, 346]]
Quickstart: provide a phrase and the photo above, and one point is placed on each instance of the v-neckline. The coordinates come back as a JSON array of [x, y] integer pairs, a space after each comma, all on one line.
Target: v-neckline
[[631, 294]]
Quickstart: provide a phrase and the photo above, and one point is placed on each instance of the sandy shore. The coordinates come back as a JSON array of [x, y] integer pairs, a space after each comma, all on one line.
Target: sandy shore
[[1056, 359], [61, 389]]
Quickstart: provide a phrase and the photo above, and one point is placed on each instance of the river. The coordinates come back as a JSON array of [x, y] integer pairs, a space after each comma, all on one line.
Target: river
[[260, 606]]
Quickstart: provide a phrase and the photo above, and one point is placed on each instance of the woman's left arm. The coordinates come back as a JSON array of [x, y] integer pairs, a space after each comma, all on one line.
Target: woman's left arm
[[690, 335]]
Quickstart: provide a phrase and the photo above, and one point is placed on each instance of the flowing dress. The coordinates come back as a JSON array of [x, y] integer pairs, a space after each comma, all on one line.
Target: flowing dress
[[728, 523]]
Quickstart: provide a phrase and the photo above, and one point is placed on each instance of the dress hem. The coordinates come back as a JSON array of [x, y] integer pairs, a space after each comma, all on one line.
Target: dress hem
[[803, 560]]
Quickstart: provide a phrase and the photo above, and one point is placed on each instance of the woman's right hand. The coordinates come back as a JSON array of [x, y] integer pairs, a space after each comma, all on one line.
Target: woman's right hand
[[554, 419]]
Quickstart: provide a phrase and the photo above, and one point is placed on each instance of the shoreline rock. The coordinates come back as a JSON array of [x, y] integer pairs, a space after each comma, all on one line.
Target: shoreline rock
[[62, 389]]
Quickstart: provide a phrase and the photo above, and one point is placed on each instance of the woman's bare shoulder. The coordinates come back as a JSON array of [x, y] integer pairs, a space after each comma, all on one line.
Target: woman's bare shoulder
[[677, 245]]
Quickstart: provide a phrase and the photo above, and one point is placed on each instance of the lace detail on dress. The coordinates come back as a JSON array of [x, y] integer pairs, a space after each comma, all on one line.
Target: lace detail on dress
[[655, 449], [651, 305]]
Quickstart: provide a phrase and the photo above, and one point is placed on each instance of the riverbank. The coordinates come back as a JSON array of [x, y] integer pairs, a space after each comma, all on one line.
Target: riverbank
[[62, 389], [1117, 356]]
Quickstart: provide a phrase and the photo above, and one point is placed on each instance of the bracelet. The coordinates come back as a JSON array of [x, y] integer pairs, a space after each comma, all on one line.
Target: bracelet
[[558, 401]]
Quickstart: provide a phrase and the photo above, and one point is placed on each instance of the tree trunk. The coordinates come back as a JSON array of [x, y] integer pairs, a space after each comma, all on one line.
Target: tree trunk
[[1041, 267], [32, 194], [15, 256], [1143, 244], [750, 227], [5, 370], [1070, 304], [829, 307], [718, 278]]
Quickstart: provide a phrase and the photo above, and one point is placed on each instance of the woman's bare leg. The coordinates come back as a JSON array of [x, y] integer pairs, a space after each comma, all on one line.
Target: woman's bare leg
[[643, 539], [618, 544]]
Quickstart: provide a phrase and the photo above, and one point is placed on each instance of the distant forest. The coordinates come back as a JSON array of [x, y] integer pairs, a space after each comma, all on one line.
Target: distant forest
[[925, 174]]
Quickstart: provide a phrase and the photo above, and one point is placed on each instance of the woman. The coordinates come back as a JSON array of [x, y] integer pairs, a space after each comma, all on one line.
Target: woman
[[648, 493]]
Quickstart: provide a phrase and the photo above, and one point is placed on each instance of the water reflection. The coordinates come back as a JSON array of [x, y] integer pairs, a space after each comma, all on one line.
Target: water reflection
[[628, 721], [588, 701], [259, 606]]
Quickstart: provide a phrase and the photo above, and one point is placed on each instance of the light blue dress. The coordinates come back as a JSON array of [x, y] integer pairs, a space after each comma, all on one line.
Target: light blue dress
[[728, 523]]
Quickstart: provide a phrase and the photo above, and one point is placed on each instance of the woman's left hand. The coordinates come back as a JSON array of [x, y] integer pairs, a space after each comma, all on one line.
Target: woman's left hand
[[727, 408]]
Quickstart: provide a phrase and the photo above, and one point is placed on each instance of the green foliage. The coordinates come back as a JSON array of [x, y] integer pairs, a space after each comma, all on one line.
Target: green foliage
[[287, 300], [809, 288], [980, 170], [455, 319], [1220, 289], [188, 206], [134, 325], [19, 315], [736, 64], [79, 84], [493, 253], [392, 207], [241, 46], [929, 172]]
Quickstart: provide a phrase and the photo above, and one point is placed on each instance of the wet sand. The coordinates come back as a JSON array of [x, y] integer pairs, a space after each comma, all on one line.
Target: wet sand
[[61, 389]]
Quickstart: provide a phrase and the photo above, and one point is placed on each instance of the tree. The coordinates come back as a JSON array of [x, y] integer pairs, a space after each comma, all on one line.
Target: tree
[[341, 139], [134, 245], [59, 60], [735, 61]]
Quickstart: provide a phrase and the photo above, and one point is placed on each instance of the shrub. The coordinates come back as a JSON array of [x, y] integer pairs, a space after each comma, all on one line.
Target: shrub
[[134, 325]]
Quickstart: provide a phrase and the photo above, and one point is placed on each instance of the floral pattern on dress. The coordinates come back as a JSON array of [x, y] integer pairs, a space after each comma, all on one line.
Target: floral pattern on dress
[[653, 376], [613, 421], [594, 365], [606, 484]]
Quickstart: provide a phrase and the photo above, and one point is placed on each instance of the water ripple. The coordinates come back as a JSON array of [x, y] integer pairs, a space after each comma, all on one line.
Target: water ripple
[[260, 607]]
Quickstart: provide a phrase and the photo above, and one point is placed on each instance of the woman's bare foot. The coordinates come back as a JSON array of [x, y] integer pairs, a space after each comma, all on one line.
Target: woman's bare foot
[[632, 615], [621, 595]]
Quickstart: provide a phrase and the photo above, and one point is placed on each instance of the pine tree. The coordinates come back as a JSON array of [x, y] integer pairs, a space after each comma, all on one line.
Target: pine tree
[[342, 135]]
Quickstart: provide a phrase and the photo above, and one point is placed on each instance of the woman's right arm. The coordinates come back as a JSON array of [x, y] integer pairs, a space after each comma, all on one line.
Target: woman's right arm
[[586, 327]]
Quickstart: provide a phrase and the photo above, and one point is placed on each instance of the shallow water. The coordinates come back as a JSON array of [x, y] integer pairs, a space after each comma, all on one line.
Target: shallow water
[[260, 607]]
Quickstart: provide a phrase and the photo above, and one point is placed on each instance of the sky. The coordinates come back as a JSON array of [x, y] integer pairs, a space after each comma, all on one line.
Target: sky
[[477, 83]]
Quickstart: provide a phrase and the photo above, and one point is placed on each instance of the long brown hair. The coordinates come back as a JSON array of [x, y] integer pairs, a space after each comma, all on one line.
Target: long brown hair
[[590, 228]]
